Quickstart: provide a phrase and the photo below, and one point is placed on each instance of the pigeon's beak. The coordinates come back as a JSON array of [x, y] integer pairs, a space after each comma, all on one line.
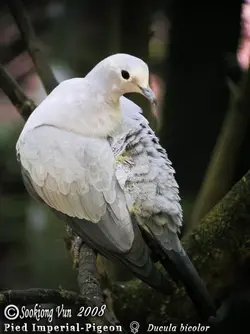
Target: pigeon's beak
[[148, 93]]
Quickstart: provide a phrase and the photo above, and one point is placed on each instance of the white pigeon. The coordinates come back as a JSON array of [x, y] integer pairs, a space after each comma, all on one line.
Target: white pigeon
[[89, 154]]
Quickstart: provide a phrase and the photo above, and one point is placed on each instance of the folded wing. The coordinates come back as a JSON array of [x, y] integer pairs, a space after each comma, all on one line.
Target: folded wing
[[75, 176]]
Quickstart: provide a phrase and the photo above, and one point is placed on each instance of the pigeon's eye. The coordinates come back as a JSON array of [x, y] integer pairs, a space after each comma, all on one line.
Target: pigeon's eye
[[125, 74]]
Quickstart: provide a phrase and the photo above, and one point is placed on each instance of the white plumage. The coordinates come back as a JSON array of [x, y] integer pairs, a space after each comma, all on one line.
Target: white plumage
[[64, 148], [89, 154]]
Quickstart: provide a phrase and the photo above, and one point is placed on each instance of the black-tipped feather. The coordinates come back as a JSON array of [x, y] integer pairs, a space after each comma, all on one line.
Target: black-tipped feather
[[181, 269]]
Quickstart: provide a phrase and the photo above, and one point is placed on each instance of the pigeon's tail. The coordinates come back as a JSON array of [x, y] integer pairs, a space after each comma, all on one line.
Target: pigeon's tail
[[180, 268]]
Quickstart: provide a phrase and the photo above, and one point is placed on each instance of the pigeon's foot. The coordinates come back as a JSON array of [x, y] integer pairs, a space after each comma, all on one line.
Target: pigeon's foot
[[75, 244]]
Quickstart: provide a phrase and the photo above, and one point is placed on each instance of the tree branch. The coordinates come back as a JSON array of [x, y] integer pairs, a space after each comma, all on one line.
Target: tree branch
[[10, 87], [87, 272], [10, 52], [89, 283], [28, 35], [32, 296]]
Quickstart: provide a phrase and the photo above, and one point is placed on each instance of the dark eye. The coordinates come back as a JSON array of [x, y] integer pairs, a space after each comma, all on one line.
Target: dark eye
[[125, 75]]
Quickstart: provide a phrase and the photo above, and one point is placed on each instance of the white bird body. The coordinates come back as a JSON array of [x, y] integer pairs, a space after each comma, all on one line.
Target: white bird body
[[74, 156], [89, 154]]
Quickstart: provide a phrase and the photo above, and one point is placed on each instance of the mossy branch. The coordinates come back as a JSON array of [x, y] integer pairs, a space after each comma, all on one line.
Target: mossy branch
[[89, 282]]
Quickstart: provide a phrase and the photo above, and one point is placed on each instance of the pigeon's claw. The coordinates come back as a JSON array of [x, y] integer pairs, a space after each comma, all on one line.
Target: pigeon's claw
[[76, 245]]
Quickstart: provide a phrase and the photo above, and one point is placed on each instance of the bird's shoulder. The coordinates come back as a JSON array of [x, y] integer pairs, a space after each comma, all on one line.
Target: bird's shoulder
[[74, 106], [64, 155]]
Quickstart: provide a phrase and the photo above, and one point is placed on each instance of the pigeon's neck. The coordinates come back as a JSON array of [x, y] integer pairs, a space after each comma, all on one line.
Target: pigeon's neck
[[113, 99], [103, 84]]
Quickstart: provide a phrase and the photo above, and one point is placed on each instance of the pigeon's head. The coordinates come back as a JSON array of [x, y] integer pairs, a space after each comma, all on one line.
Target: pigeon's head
[[124, 73]]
